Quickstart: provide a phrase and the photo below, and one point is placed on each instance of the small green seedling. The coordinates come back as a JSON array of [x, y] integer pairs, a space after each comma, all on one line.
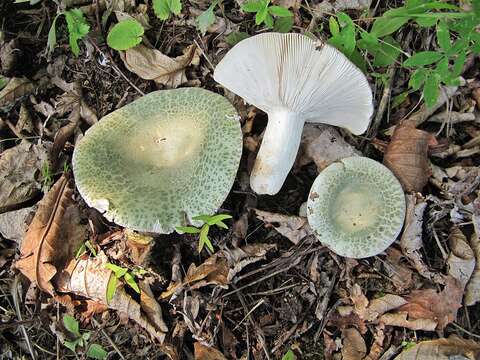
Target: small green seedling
[[266, 13], [47, 176], [94, 351], [290, 355], [408, 344], [77, 27], [125, 35], [83, 249], [207, 18], [164, 8], [208, 221], [119, 273]]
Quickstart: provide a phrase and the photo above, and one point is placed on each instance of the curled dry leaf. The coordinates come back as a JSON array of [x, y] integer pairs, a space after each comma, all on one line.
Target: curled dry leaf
[[442, 349], [294, 228], [472, 293], [411, 240], [20, 169], [14, 90], [52, 237], [461, 261], [400, 319], [323, 145], [203, 352], [151, 64], [353, 345], [407, 156], [88, 277]]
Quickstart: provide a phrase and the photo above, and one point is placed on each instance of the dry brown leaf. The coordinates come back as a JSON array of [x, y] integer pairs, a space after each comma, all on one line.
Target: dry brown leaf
[[139, 245], [400, 319], [294, 228], [323, 145], [9, 54], [20, 169], [411, 240], [472, 292], [461, 261], [384, 304], [353, 345], [203, 352], [151, 64], [407, 156], [89, 278], [440, 307], [14, 90], [151, 307], [14, 224], [400, 273], [52, 237], [442, 349]]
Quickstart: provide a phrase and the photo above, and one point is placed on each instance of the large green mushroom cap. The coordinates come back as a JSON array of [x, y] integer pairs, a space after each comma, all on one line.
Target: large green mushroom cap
[[161, 160], [356, 207]]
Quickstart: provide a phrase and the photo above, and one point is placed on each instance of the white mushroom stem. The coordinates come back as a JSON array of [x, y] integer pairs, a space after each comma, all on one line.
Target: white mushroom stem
[[278, 151]]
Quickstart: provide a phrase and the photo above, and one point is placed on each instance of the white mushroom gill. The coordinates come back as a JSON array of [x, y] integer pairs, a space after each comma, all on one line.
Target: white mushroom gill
[[294, 80]]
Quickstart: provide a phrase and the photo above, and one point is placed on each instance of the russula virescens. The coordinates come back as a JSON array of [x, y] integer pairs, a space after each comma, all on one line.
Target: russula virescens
[[294, 80], [157, 162], [356, 207]]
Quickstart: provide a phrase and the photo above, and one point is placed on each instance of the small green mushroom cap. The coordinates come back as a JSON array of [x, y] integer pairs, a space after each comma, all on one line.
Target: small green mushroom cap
[[161, 160], [356, 207]]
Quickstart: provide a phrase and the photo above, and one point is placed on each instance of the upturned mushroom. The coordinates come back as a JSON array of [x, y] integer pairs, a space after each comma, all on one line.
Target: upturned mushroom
[[356, 207], [161, 160], [294, 80]]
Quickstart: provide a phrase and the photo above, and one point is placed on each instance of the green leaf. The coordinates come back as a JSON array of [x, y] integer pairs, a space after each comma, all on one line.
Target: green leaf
[[358, 60], [290, 355], [125, 35], [423, 58], [117, 270], [216, 218], [279, 11], [235, 37], [333, 26], [72, 345], [261, 16], [204, 240], [81, 250], [71, 324], [269, 21], [111, 288], [442, 69], [283, 25], [175, 6], [96, 351], [161, 9], [443, 36], [206, 19], [90, 247], [253, 6], [52, 35], [417, 78], [221, 225], [3, 81], [426, 22], [369, 40], [129, 279], [86, 335], [431, 89], [77, 28], [203, 218], [386, 26], [188, 229], [386, 53], [458, 64], [399, 99]]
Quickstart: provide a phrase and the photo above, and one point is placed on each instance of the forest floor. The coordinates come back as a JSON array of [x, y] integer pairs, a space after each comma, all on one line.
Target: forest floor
[[271, 290]]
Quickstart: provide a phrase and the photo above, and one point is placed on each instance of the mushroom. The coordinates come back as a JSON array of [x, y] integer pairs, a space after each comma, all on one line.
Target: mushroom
[[356, 207], [294, 80], [157, 162]]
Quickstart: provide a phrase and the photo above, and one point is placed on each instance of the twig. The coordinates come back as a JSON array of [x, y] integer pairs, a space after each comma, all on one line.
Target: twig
[[248, 314], [204, 54], [465, 330], [115, 347]]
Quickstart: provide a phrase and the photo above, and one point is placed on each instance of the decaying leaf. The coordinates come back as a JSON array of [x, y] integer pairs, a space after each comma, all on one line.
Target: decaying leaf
[[151, 64], [14, 224], [219, 269], [327, 6], [323, 145], [432, 305], [139, 245], [353, 345], [20, 171], [294, 228], [411, 240], [472, 292], [407, 156], [88, 277], [203, 352], [442, 349], [461, 261], [15, 89], [400, 273], [400, 319], [51, 239]]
